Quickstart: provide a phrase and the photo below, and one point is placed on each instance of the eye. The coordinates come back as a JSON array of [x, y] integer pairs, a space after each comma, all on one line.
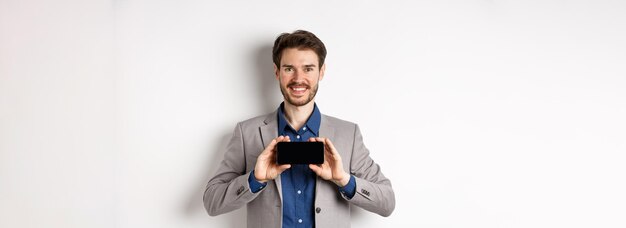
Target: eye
[[288, 69], [308, 69]]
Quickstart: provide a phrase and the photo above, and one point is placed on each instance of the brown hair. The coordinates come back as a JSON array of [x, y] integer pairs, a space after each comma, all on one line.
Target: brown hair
[[299, 39]]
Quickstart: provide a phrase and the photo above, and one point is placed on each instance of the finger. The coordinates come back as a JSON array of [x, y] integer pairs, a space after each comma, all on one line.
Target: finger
[[327, 148], [277, 139], [330, 145], [283, 168], [332, 148], [316, 169], [271, 148]]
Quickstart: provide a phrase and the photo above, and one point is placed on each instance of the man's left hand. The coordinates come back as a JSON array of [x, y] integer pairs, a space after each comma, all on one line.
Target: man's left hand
[[332, 169]]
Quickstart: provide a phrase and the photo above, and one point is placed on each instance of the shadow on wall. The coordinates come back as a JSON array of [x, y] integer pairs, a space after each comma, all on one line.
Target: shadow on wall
[[263, 77], [268, 89], [195, 205]]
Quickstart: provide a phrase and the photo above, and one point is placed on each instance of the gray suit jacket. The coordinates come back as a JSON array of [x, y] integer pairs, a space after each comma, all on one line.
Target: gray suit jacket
[[229, 190]]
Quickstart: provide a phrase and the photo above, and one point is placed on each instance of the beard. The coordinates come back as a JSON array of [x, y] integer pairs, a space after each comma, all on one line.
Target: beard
[[293, 101]]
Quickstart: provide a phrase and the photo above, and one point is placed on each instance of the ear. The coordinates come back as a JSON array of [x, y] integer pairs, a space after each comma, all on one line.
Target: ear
[[322, 71], [276, 71]]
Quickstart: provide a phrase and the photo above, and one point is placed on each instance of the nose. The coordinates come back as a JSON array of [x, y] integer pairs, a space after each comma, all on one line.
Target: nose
[[298, 75]]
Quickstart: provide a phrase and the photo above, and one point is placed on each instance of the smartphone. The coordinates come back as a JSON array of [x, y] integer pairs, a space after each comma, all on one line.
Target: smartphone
[[300, 153]]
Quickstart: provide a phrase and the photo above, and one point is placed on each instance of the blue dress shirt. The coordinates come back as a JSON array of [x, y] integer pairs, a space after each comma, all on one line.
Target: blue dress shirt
[[298, 182]]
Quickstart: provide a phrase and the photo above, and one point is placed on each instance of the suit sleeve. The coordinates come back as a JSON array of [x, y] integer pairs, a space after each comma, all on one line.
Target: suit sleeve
[[373, 190], [229, 189]]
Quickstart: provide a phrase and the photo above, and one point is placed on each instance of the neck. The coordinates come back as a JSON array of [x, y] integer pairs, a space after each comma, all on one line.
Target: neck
[[298, 115]]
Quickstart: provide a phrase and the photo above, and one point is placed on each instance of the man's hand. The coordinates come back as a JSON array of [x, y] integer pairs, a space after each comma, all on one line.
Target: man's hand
[[266, 168], [332, 169]]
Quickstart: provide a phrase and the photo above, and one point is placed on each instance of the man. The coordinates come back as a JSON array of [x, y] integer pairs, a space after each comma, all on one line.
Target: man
[[298, 195]]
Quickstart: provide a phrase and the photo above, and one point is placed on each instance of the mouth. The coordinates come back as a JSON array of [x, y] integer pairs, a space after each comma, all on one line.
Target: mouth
[[298, 90]]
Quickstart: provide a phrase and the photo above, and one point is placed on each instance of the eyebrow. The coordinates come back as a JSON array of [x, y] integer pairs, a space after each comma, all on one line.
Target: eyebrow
[[288, 65]]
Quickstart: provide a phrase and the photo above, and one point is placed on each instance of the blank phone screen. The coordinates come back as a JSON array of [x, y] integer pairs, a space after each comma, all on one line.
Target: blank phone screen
[[300, 153]]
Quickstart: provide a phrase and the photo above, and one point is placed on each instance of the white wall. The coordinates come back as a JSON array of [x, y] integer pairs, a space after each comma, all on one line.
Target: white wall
[[482, 113]]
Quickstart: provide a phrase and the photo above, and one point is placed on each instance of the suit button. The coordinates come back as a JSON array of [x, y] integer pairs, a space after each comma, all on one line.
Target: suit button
[[240, 190], [318, 210]]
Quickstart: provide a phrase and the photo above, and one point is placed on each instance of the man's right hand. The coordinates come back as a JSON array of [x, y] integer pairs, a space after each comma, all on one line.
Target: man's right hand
[[266, 168]]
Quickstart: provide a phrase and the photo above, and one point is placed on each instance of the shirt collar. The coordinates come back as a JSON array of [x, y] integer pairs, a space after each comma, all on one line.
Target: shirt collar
[[312, 124]]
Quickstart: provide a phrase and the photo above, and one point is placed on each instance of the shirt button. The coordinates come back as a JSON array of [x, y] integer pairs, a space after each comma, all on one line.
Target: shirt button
[[318, 210], [304, 128], [299, 192], [297, 136], [299, 220]]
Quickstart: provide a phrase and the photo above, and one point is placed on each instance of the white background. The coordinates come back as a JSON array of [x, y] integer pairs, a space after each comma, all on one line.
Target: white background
[[482, 113]]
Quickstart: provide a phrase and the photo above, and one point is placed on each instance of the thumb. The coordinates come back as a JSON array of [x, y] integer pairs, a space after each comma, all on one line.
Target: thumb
[[316, 169], [268, 150], [283, 168]]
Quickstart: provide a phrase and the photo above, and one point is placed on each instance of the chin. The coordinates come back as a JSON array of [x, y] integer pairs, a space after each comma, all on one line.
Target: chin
[[298, 102]]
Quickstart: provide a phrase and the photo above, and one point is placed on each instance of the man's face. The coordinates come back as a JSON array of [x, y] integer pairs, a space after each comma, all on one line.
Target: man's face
[[298, 75]]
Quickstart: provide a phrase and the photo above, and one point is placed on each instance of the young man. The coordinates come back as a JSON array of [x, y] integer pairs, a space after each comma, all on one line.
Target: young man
[[298, 195]]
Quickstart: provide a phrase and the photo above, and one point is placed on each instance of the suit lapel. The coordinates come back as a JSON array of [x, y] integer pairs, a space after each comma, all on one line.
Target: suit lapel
[[269, 131], [326, 131]]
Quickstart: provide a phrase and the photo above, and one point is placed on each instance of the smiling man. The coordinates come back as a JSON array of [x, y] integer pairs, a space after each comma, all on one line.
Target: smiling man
[[298, 195]]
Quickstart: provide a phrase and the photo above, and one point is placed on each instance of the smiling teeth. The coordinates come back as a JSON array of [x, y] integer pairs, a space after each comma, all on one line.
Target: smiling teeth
[[299, 89]]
